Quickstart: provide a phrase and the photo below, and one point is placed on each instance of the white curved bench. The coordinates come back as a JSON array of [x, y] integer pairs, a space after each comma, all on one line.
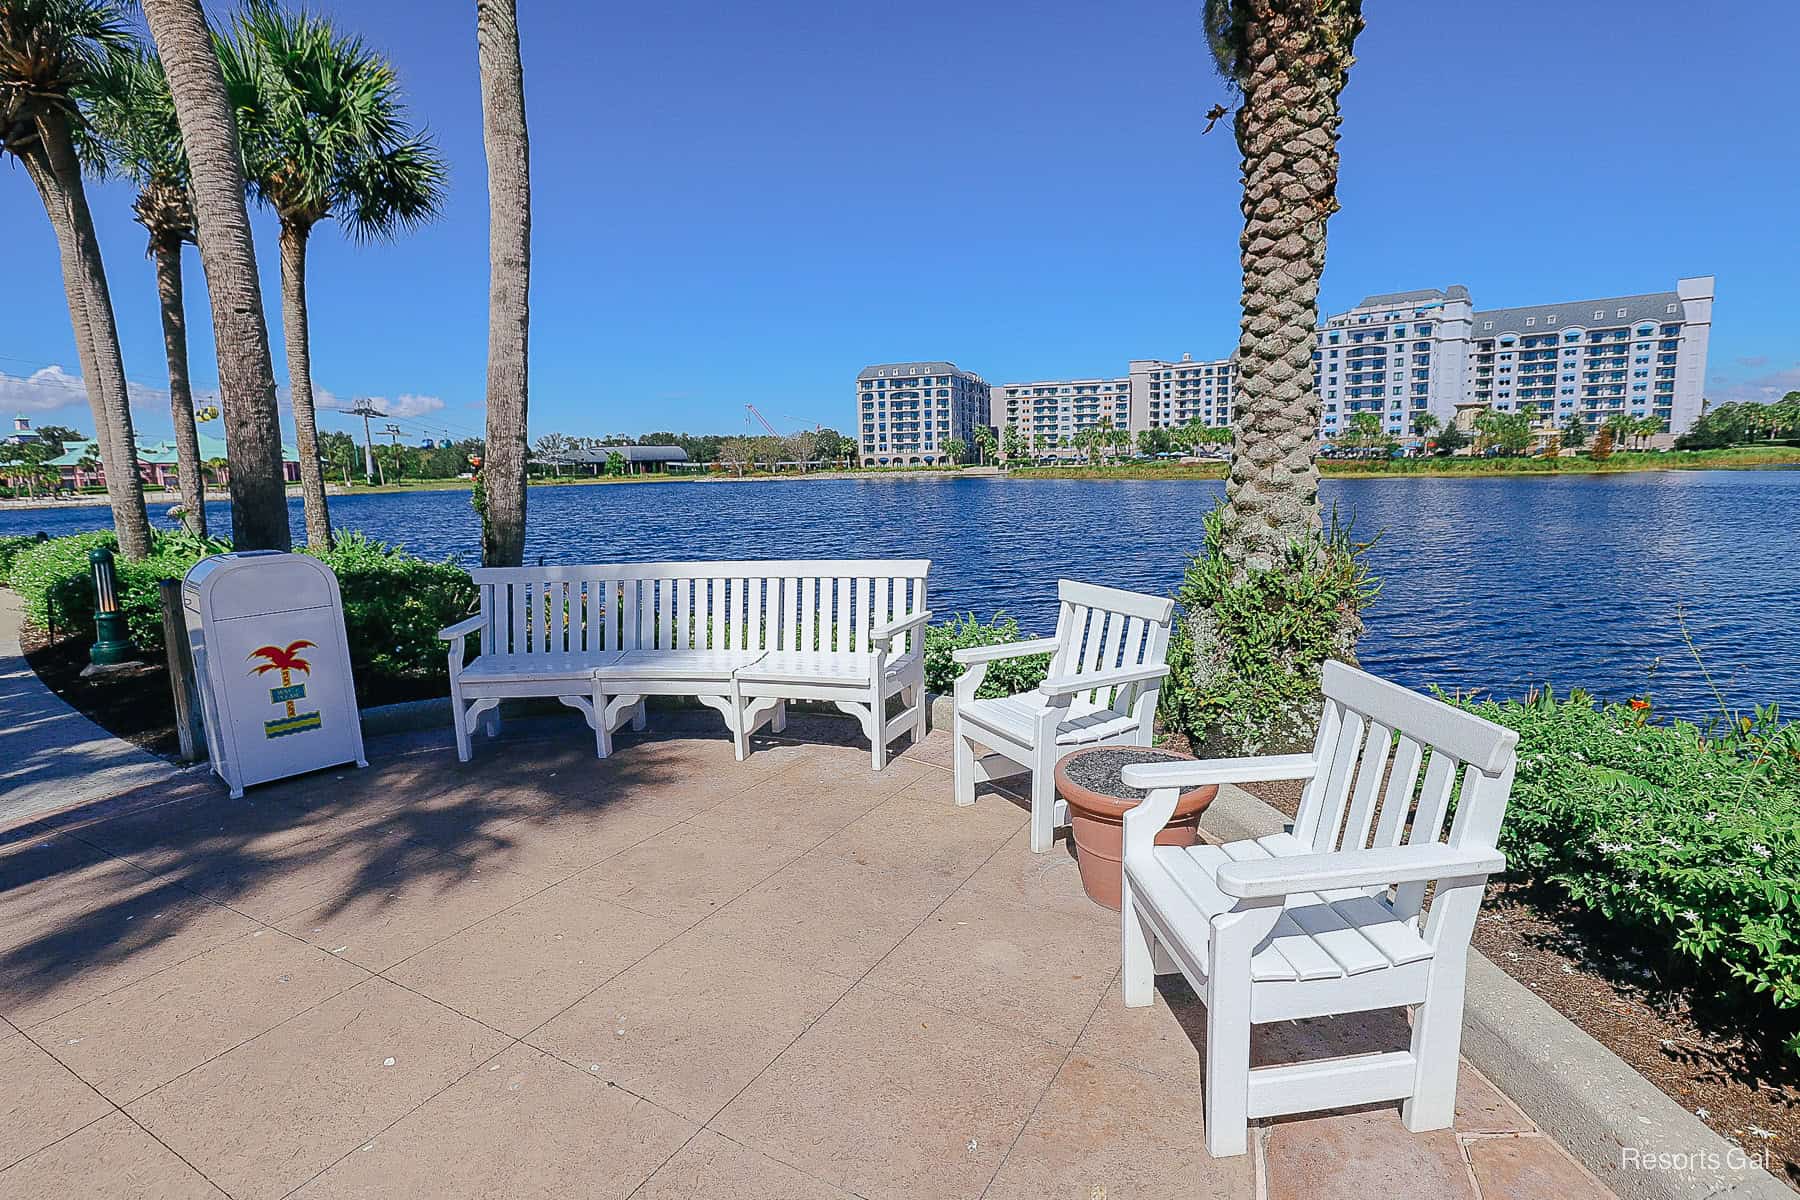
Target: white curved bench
[[741, 637]]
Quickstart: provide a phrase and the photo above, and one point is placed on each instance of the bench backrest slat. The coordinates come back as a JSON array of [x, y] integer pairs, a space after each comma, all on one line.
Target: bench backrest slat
[[828, 605]]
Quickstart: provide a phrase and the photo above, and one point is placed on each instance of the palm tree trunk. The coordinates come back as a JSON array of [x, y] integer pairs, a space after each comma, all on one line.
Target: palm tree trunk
[[295, 329], [1298, 54], [259, 518], [166, 251], [57, 174], [509, 280]]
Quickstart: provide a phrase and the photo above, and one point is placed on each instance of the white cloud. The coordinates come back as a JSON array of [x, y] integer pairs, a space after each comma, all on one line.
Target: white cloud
[[1762, 388], [44, 390], [399, 407]]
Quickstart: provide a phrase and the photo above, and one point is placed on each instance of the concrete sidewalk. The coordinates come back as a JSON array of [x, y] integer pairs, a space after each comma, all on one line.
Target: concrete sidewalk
[[51, 756]]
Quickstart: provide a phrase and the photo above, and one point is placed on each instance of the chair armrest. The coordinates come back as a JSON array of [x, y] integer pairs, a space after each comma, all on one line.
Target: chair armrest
[[883, 635], [970, 655], [1070, 685], [464, 627], [1264, 878], [1185, 775]]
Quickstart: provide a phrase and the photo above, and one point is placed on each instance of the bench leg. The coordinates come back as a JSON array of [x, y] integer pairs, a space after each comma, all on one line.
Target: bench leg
[[640, 716], [739, 720], [602, 734], [778, 722], [492, 720]]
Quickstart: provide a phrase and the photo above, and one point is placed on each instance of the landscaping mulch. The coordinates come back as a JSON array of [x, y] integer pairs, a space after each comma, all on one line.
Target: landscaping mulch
[[1572, 959]]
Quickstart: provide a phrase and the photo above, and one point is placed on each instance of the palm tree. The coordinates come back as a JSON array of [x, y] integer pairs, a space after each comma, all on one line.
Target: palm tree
[[52, 53], [259, 518], [325, 136], [509, 279], [1648, 427], [1290, 60], [133, 116]]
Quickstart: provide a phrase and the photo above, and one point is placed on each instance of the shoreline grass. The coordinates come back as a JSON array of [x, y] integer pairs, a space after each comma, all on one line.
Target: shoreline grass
[[1739, 458]]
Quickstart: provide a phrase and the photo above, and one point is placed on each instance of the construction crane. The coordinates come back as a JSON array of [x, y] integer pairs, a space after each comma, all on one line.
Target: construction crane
[[751, 411]]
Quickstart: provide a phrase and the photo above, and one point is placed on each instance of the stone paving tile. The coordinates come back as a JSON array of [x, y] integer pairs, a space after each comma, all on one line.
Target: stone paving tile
[[112, 1159], [522, 966], [333, 866], [1481, 1108], [920, 831], [1530, 1168], [94, 948], [887, 1097], [48, 882], [208, 833], [826, 912], [40, 1099], [520, 1127], [1108, 1130], [1003, 963], [121, 1043], [691, 1024], [813, 798], [1167, 1038], [265, 1117], [1049, 882], [689, 872], [380, 926], [1363, 1153], [716, 1168]]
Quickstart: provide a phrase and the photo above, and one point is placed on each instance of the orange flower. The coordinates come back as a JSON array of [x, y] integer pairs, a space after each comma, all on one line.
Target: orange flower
[[1640, 705]]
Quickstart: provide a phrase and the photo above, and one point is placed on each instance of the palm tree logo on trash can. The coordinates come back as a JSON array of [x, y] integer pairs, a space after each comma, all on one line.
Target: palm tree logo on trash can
[[287, 660]]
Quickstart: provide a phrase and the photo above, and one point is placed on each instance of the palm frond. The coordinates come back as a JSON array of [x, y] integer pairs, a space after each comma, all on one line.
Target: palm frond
[[49, 51]]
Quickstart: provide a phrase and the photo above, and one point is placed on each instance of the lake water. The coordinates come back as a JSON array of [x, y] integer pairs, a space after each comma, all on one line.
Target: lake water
[[1493, 584]]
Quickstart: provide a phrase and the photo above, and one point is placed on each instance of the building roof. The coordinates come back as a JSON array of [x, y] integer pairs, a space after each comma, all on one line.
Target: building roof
[[1455, 291], [631, 454], [1652, 306], [156, 453], [889, 370]]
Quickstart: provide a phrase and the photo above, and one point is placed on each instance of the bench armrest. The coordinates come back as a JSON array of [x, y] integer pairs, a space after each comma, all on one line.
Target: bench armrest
[[1274, 877], [883, 635], [1072, 685], [464, 627], [1184, 775], [971, 655]]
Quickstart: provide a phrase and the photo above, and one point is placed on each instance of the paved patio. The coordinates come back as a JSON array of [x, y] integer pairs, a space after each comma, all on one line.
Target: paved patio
[[664, 975]]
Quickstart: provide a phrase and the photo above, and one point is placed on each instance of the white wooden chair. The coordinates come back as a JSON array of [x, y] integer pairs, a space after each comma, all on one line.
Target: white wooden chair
[[1106, 670], [1327, 918]]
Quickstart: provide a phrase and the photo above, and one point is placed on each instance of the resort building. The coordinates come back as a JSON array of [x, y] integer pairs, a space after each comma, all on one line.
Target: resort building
[[79, 463], [1399, 356], [1431, 351], [1051, 412], [908, 412]]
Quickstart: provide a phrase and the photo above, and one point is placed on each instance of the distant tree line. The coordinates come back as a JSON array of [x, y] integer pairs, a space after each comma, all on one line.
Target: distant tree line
[[1737, 424]]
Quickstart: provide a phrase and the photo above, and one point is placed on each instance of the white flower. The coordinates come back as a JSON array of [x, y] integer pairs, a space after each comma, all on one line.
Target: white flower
[[1760, 850], [1759, 1131], [1711, 817], [1702, 1113], [1690, 914]]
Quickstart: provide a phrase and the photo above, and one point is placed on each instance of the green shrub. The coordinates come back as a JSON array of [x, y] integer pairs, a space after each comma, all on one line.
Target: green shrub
[[1687, 839], [11, 547], [394, 602], [1004, 678], [1245, 659]]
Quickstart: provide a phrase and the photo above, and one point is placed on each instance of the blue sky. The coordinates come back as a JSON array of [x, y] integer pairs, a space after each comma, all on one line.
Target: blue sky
[[747, 203]]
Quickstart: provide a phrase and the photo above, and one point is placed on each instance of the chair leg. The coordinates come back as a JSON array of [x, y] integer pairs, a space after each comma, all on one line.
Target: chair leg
[[1436, 1045], [1139, 954], [921, 703], [1227, 1101], [459, 717], [964, 762], [1043, 808]]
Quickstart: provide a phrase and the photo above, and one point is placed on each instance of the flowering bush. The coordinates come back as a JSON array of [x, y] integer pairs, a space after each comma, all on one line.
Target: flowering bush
[[1687, 838]]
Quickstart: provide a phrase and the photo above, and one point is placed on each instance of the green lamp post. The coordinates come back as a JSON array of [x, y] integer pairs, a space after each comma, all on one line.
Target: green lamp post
[[113, 644]]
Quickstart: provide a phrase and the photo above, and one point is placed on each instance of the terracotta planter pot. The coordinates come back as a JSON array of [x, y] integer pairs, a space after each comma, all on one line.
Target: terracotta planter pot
[[1097, 818]]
